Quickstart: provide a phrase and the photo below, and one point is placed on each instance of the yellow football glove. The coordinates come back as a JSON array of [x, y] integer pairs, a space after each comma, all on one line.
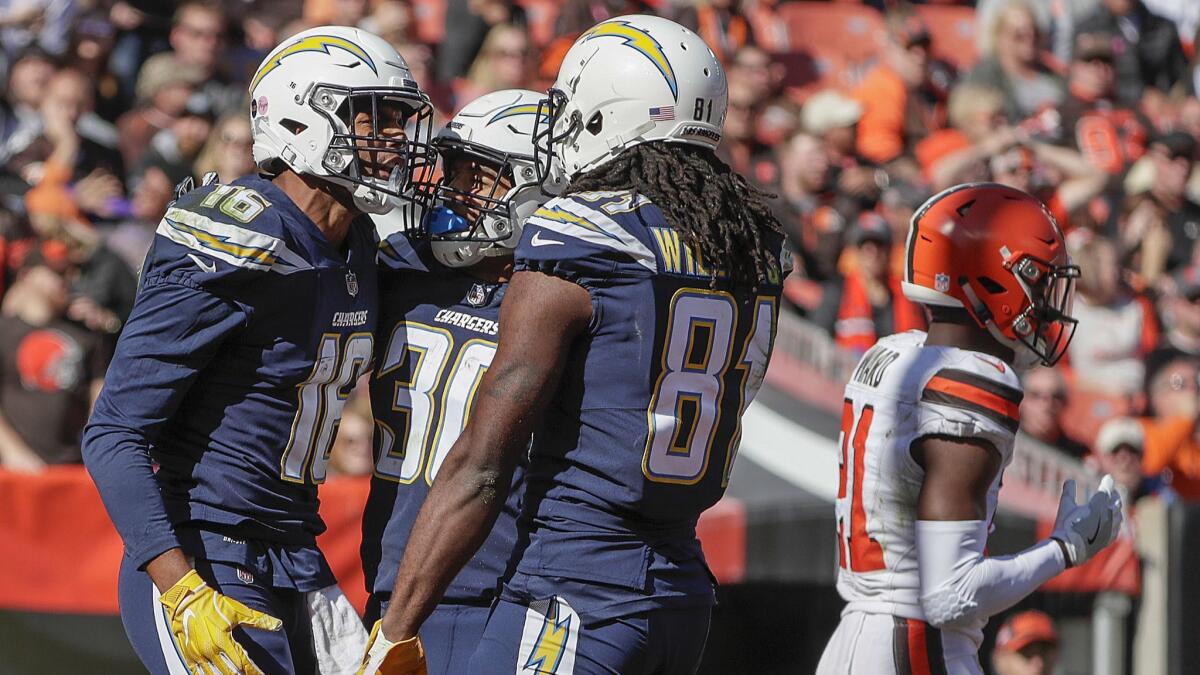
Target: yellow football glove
[[385, 657], [202, 621]]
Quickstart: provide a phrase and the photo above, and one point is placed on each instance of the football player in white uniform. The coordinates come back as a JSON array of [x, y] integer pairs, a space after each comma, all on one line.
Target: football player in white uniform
[[928, 425]]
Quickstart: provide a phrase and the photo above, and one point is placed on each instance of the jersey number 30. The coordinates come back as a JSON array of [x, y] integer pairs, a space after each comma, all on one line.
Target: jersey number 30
[[431, 423]]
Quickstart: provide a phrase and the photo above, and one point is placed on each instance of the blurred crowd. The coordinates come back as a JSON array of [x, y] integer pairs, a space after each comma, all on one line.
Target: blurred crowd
[[1089, 104]]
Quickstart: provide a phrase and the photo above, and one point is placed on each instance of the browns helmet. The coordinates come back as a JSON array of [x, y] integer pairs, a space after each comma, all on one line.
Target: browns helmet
[[996, 252]]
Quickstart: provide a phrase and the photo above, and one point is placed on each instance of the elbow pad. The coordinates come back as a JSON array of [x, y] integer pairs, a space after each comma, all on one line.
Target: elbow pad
[[960, 586]]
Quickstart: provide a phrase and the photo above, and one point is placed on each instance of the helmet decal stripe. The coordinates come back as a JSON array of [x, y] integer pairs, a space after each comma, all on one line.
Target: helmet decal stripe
[[641, 41], [519, 109], [313, 43]]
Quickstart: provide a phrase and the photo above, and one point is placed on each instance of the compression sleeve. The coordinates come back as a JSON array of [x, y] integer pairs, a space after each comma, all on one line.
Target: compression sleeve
[[174, 331], [960, 584]]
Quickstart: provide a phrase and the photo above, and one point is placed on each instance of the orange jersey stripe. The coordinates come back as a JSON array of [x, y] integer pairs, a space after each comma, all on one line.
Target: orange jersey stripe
[[975, 395]]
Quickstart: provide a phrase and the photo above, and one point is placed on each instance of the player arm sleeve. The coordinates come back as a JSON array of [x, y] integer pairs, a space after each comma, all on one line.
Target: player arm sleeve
[[960, 585], [175, 329]]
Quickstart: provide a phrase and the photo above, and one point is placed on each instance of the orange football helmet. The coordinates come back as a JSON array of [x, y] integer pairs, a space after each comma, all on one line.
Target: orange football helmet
[[996, 252]]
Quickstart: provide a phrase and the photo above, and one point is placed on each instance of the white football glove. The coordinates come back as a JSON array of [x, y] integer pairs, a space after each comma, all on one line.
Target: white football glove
[[1086, 528]]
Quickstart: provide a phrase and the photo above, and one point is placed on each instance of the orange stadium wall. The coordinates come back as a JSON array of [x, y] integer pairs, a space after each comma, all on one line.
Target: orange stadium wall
[[59, 552]]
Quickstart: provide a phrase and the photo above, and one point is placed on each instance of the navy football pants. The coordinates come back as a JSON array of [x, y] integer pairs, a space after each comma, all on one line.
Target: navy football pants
[[449, 635], [288, 650], [546, 638]]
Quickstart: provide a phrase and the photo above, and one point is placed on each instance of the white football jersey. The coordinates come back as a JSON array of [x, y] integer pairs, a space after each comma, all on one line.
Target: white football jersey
[[901, 391]]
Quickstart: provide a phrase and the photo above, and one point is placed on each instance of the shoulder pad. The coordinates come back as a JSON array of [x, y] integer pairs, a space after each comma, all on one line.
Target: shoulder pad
[[976, 392], [576, 223], [398, 252]]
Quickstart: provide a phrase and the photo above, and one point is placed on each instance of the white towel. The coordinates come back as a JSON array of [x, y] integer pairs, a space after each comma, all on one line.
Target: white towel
[[339, 638]]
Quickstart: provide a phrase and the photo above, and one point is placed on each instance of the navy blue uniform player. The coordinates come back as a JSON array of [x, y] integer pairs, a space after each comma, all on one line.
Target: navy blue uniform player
[[636, 329], [437, 336], [254, 318]]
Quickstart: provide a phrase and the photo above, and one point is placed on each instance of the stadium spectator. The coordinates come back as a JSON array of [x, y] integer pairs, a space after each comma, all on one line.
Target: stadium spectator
[[1179, 306], [42, 23], [740, 147], [720, 23], [1046, 398], [900, 106], [50, 369], [1171, 157], [198, 38], [503, 63], [1027, 644], [1171, 446], [150, 193], [806, 208], [352, 454], [1110, 135], [175, 148], [977, 131], [1117, 327], [1119, 453], [833, 118], [65, 103], [164, 87], [227, 152], [91, 47], [468, 24], [867, 304], [756, 69], [1149, 53], [20, 123], [1013, 63], [393, 21]]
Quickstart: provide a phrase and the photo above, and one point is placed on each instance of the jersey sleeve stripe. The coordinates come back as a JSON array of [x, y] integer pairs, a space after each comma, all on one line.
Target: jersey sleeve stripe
[[1011, 394], [944, 391], [234, 245], [573, 219]]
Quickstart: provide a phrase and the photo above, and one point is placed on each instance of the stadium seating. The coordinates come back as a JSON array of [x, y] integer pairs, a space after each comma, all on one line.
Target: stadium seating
[[953, 31], [841, 40]]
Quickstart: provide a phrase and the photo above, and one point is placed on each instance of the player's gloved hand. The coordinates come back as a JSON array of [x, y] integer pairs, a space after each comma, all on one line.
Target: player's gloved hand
[[202, 621], [385, 657], [1086, 528]]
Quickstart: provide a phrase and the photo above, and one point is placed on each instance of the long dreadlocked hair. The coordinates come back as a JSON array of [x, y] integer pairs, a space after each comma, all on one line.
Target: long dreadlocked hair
[[716, 212]]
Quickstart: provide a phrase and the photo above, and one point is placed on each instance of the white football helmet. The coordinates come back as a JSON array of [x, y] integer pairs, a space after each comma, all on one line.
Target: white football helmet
[[495, 129], [626, 81], [303, 101]]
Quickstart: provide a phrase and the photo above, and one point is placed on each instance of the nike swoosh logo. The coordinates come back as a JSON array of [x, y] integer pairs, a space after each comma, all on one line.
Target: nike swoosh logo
[[205, 265], [539, 241], [997, 366], [1092, 539], [188, 615]]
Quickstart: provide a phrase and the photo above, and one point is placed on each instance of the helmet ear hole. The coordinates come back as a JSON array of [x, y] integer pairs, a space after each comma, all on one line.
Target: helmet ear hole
[[595, 124], [293, 126], [991, 285]]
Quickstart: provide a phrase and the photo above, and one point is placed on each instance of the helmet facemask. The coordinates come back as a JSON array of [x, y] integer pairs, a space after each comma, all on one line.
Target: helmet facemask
[[482, 220], [379, 156], [546, 140], [1045, 327]]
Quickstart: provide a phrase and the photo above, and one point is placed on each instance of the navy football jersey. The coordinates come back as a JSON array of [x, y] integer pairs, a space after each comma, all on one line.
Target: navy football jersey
[[437, 336], [641, 436], [248, 333]]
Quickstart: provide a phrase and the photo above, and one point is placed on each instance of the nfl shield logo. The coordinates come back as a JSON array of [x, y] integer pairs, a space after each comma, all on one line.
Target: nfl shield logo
[[941, 282], [477, 297], [351, 284], [245, 575]]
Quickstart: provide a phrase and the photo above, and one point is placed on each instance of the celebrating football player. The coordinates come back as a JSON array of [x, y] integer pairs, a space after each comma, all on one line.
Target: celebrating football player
[[927, 429], [634, 332], [254, 319], [437, 335]]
